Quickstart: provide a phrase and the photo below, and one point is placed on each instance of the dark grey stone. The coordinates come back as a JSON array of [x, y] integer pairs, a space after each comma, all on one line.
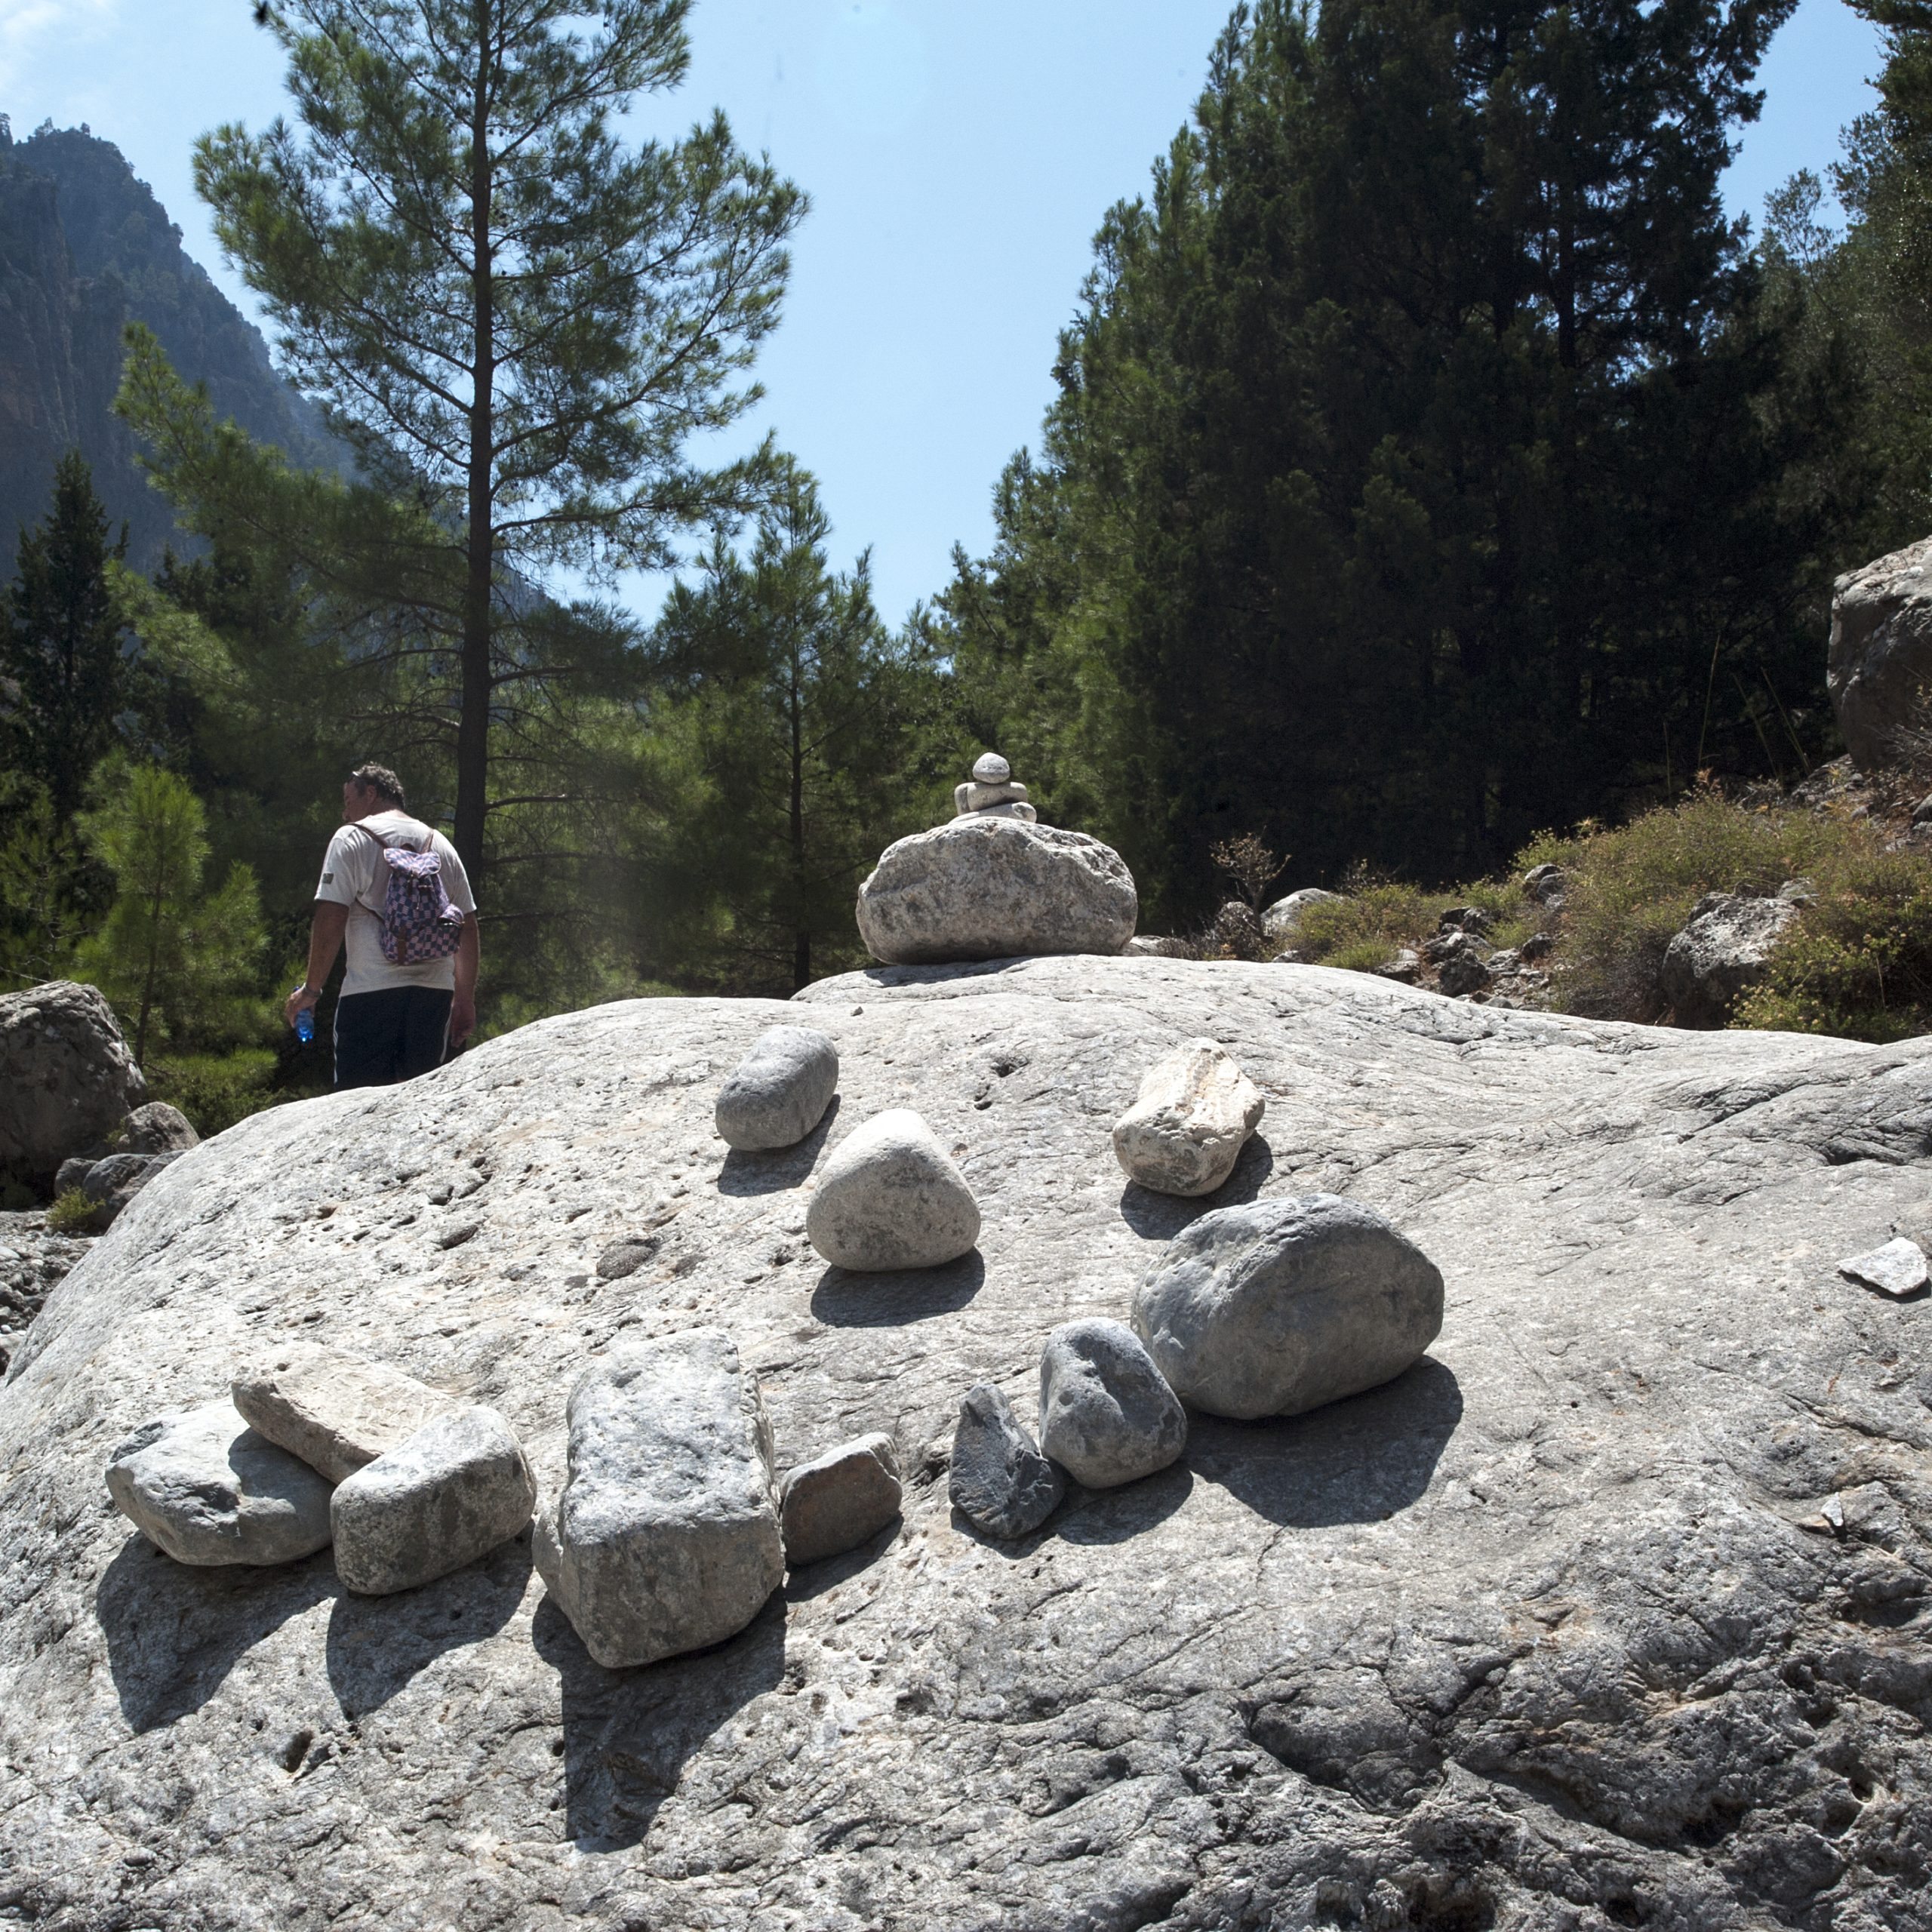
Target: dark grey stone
[[840, 1499], [1106, 1414], [111, 1183], [1000, 1482]]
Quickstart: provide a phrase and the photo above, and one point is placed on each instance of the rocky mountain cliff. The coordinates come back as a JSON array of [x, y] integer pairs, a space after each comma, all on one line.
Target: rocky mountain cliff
[[1610, 1612], [84, 248]]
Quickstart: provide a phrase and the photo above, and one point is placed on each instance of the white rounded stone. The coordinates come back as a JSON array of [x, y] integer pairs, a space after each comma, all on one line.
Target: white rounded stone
[[989, 768], [889, 1198]]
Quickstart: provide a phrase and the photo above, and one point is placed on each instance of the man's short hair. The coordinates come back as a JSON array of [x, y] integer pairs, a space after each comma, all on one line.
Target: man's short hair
[[381, 780]]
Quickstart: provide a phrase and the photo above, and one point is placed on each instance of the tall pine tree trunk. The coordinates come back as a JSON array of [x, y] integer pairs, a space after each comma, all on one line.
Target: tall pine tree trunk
[[472, 740], [801, 931]]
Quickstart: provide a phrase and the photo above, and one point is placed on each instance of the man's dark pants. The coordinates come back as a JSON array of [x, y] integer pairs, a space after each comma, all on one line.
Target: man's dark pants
[[381, 1037]]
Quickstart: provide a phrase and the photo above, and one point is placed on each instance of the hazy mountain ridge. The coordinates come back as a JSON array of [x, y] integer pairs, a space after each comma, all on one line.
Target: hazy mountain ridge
[[84, 248]]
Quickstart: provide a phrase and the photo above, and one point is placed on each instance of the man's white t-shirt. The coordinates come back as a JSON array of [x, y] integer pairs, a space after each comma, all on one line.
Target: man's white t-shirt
[[356, 874]]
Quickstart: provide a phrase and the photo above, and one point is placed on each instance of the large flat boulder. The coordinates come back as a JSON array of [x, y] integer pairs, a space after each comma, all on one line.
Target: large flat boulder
[[1608, 1611], [988, 887], [67, 1078], [1880, 656]]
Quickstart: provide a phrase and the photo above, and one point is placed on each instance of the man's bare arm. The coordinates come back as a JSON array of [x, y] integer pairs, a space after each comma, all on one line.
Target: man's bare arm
[[324, 943], [462, 1008]]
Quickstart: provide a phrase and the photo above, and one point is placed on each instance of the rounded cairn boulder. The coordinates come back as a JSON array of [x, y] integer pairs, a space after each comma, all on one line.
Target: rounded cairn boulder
[[985, 886], [1279, 1306]]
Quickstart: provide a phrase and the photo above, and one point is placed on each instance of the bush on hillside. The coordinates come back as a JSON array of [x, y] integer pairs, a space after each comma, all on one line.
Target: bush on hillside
[[1377, 916], [215, 1090]]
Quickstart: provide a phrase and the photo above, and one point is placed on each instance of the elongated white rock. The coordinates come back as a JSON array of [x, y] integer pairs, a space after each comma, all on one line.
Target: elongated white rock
[[336, 1410], [889, 1198]]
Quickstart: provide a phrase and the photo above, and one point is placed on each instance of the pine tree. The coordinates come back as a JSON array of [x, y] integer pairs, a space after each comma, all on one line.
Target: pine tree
[[511, 312], [67, 670]]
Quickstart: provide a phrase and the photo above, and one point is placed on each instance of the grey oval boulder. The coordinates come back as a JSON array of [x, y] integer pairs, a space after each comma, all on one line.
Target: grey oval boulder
[[986, 886], [840, 1499], [1107, 1416], [449, 1494], [999, 1480], [1185, 1129], [890, 1198], [67, 1078], [205, 1488], [1279, 1306], [778, 1092], [1722, 951]]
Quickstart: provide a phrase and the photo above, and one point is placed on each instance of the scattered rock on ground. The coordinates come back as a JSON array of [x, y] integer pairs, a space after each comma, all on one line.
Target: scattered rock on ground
[[1723, 949], [207, 1489], [999, 1482], [67, 1078], [988, 887], [1282, 920], [156, 1128], [1279, 1306], [1193, 1115], [839, 1500], [623, 1259], [665, 1537], [1880, 657], [778, 1092], [1547, 884], [1461, 968], [71, 1175], [33, 1261], [1156, 945], [889, 1198], [1107, 1416], [1404, 964], [1898, 1269], [111, 1183], [450, 1494], [337, 1411]]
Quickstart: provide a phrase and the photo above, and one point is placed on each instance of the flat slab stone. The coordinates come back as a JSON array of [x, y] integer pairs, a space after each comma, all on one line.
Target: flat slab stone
[[991, 886], [1195, 1112], [778, 1092], [839, 1500], [999, 1482], [890, 1198], [1279, 1306], [207, 1489], [450, 1494], [1898, 1269], [336, 1410], [666, 1537], [1107, 1416]]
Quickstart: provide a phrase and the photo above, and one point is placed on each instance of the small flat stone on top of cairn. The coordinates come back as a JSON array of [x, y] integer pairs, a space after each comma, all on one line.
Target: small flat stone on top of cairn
[[1279, 1306], [839, 1500], [778, 1092], [1195, 1112], [665, 1537], [451, 1493], [207, 1489], [1107, 1416], [992, 789], [336, 1410], [999, 1482], [1898, 1269], [890, 1198]]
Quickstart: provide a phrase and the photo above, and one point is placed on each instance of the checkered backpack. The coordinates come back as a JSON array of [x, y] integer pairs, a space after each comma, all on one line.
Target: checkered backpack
[[417, 922]]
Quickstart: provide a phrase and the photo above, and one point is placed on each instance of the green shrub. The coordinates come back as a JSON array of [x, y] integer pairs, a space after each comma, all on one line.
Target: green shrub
[[215, 1090], [1359, 932], [1860, 963], [73, 1214]]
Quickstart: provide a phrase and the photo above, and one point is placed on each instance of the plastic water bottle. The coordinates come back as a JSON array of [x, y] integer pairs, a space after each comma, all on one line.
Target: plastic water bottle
[[305, 1025]]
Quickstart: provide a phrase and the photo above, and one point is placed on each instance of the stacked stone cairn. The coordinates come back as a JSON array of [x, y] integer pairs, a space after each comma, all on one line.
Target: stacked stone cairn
[[993, 789]]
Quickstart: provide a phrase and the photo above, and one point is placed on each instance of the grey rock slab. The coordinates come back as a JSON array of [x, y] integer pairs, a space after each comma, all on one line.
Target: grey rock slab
[[1535, 1630], [1898, 1269], [778, 1092], [666, 1536], [206, 1489], [1880, 655], [1195, 1112], [1722, 950], [442, 1499], [840, 1499], [992, 886], [1277, 1307], [998, 1480], [66, 1077], [1107, 1416], [337, 1411], [890, 1198]]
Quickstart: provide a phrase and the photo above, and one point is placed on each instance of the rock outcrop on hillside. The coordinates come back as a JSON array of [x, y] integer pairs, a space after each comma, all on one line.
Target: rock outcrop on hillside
[[1609, 1612]]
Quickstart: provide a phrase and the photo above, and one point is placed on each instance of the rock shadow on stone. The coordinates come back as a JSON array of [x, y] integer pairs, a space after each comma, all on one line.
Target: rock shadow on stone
[[781, 1168], [816, 1579], [628, 1733], [174, 1631], [846, 1298], [377, 1645], [1097, 1516], [1359, 1460], [1160, 1216]]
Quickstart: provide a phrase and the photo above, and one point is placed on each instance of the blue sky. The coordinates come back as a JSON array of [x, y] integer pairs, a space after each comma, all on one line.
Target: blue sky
[[959, 158]]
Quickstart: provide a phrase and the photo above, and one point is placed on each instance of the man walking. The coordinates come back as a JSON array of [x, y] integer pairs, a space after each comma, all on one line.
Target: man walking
[[392, 1020]]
